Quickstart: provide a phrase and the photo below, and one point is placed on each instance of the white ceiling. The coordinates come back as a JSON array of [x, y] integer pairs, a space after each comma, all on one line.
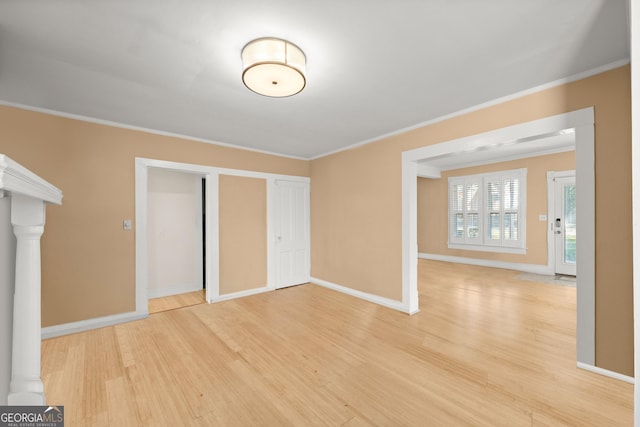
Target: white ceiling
[[374, 67]]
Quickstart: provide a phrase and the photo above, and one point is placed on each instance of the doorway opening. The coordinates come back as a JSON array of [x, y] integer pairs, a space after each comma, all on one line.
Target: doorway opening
[[581, 122], [175, 239]]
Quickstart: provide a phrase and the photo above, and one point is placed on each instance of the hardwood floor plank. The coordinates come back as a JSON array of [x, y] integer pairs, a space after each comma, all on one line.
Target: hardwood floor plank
[[119, 391], [172, 302], [486, 349]]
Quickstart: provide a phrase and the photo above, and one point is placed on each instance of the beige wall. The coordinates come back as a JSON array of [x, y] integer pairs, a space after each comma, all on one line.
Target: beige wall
[[243, 233], [356, 202], [88, 261], [433, 208]]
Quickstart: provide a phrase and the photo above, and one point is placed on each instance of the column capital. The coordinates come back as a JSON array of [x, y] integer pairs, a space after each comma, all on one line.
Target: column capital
[[27, 211]]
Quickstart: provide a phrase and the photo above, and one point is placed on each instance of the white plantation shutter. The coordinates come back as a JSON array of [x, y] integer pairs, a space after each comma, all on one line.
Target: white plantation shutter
[[456, 212], [488, 210], [465, 206], [511, 208], [472, 211], [494, 208]]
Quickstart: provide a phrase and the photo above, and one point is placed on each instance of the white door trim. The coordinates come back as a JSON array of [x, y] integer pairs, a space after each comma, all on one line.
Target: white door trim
[[141, 185], [582, 122], [212, 236]]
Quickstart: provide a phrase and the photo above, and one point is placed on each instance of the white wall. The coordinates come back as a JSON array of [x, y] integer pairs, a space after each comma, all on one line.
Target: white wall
[[7, 276], [174, 232]]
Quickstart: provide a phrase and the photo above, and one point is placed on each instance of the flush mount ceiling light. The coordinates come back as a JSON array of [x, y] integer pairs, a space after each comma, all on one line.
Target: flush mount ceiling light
[[273, 67]]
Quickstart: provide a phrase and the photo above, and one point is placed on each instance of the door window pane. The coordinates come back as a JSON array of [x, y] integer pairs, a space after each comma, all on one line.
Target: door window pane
[[570, 224]]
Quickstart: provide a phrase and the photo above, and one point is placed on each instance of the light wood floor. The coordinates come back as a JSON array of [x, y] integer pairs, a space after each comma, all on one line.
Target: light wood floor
[[486, 349], [156, 305]]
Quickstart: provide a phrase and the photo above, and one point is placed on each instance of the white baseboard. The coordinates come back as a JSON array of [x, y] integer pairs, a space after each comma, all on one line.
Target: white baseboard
[[526, 268], [173, 290], [85, 325], [386, 302], [241, 294], [606, 373]]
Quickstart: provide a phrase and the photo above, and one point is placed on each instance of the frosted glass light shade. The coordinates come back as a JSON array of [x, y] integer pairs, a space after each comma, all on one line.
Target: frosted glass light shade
[[273, 67]]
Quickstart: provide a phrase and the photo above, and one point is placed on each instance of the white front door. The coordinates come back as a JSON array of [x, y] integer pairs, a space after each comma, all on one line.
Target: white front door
[[564, 226], [292, 233]]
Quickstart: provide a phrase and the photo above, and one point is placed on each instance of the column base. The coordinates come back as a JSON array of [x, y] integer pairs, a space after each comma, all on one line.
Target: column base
[[26, 391], [26, 398]]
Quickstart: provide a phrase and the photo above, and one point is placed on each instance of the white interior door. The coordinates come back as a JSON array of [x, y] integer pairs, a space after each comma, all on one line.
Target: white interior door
[[292, 233], [565, 225]]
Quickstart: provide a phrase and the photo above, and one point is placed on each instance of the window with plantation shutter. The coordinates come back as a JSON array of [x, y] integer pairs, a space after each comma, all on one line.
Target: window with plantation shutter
[[486, 211]]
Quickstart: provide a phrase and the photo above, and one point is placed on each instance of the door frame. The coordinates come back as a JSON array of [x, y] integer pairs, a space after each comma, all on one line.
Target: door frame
[[551, 212], [142, 167], [582, 121], [212, 258]]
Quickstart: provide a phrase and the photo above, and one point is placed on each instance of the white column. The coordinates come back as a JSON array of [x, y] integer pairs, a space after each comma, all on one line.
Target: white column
[[27, 218]]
